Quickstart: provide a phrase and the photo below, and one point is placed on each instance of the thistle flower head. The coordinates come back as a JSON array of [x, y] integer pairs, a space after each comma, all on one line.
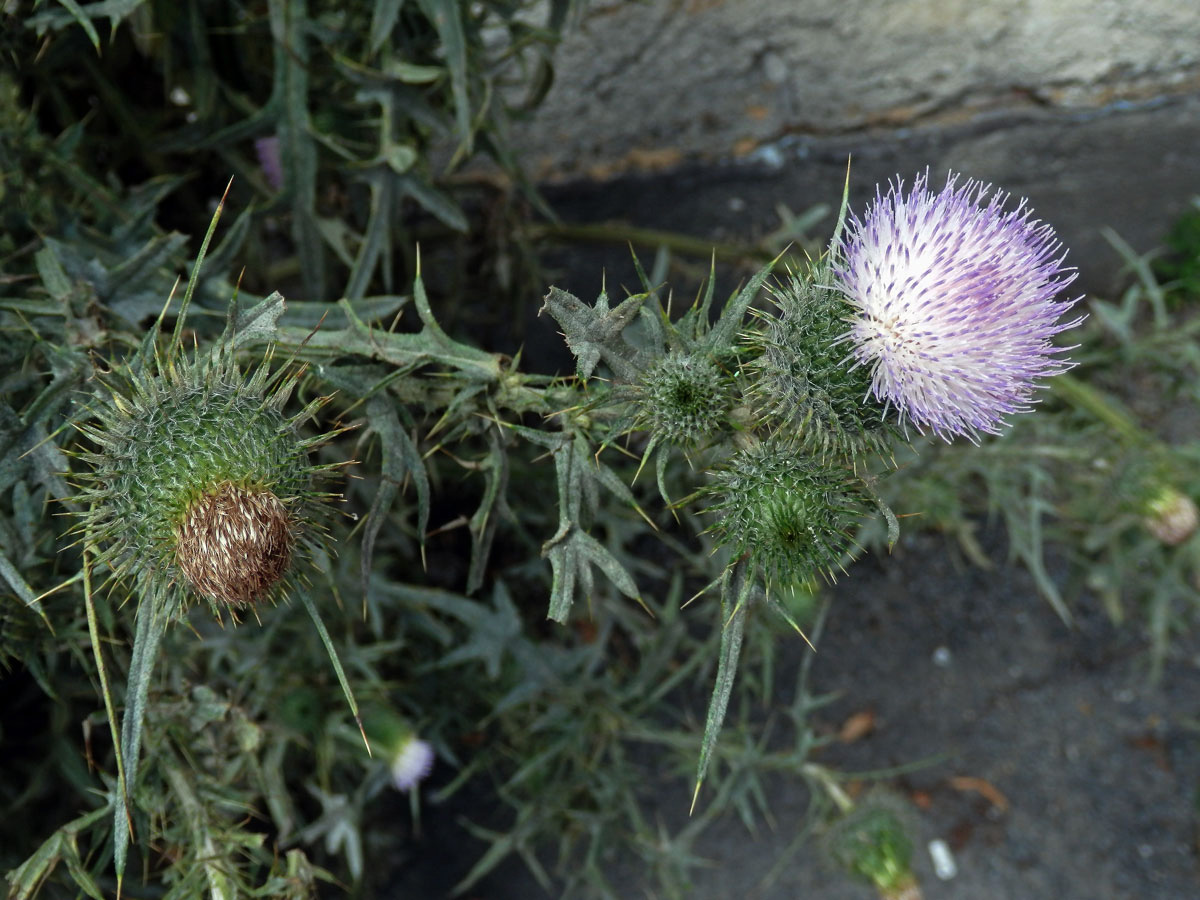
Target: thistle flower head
[[411, 762], [409, 758], [953, 304], [200, 484]]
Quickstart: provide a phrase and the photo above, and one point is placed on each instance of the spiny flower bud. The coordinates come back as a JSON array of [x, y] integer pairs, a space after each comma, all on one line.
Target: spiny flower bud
[[682, 398], [791, 515], [802, 386], [200, 482], [953, 304]]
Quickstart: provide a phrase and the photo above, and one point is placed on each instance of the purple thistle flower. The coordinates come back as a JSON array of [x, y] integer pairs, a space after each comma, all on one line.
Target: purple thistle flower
[[953, 304]]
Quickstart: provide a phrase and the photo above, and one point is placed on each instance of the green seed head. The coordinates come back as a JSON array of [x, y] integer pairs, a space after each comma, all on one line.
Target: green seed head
[[200, 483], [791, 515]]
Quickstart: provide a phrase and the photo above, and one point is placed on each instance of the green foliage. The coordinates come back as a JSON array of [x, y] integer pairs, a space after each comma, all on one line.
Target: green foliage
[[1179, 266], [1088, 472], [331, 115]]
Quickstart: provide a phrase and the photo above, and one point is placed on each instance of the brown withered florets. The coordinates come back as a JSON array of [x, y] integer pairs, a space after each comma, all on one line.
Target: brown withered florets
[[234, 544]]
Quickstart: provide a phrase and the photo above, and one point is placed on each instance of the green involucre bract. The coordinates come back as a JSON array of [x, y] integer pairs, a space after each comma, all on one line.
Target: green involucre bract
[[790, 515], [804, 382], [200, 482]]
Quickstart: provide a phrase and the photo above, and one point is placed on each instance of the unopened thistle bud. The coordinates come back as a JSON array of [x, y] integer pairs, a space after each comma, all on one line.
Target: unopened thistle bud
[[791, 515], [803, 386], [682, 398], [870, 842], [200, 483]]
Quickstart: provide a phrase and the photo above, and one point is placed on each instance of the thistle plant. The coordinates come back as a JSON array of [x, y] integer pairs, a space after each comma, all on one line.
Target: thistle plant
[[199, 487], [769, 425], [934, 309]]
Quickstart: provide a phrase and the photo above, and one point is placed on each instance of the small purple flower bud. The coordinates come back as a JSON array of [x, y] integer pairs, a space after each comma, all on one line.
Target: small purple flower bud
[[953, 304], [412, 762], [270, 161]]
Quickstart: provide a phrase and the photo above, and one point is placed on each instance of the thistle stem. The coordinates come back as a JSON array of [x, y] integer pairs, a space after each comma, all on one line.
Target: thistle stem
[[1086, 398], [824, 777]]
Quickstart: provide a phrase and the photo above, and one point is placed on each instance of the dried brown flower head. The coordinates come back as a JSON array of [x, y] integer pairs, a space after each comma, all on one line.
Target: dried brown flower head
[[234, 544]]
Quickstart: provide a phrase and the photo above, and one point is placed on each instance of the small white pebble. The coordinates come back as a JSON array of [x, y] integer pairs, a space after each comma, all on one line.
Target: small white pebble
[[944, 866], [941, 657], [179, 96], [769, 155], [736, 204]]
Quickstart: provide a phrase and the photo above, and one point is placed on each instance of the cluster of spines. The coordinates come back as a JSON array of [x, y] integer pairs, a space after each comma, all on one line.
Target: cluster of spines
[[789, 514], [803, 384], [682, 398]]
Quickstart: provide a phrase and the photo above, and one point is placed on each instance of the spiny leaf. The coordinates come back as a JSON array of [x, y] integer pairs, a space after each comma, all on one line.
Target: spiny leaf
[[152, 619], [735, 595], [177, 335], [485, 519], [20, 586], [377, 239], [333, 658], [446, 16], [730, 321], [26, 880], [594, 332], [259, 324], [401, 458], [289, 27]]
